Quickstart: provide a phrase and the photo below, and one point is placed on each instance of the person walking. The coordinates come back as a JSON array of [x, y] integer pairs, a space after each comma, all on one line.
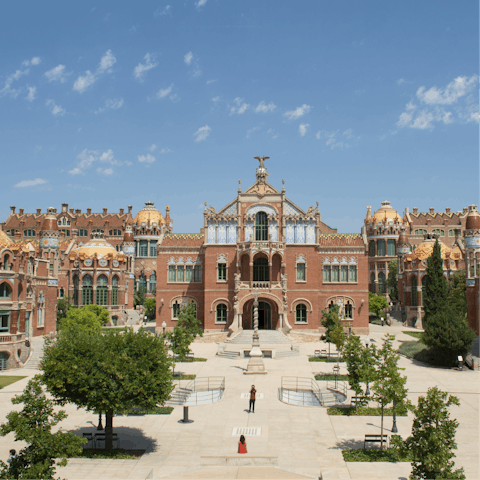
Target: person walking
[[251, 406], [242, 445], [13, 456]]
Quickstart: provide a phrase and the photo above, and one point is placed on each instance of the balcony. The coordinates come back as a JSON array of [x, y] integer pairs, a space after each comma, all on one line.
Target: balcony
[[260, 285], [12, 337]]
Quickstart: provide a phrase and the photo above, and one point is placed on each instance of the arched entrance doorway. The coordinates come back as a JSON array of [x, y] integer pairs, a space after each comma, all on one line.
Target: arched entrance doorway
[[267, 315], [264, 316]]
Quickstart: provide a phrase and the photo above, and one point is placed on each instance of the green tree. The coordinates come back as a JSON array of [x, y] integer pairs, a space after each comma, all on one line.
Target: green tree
[[63, 306], [368, 371], [449, 335], [150, 305], [433, 438], [33, 425], [332, 324], [352, 356], [109, 373], [376, 303], [389, 385], [138, 297], [457, 298], [392, 280], [436, 290], [89, 318]]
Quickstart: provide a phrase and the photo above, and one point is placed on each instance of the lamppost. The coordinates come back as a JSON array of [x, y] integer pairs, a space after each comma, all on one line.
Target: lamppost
[[145, 319], [163, 326], [100, 426], [394, 427], [367, 341]]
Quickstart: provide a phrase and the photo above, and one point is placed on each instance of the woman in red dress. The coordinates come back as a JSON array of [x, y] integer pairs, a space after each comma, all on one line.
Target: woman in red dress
[[242, 445]]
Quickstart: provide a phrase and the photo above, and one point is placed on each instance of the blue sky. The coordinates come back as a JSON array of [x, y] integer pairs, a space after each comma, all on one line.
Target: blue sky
[[355, 102]]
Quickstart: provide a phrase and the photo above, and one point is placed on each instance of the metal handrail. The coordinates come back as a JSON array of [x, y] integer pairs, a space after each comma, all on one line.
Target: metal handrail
[[203, 388], [301, 385], [338, 386]]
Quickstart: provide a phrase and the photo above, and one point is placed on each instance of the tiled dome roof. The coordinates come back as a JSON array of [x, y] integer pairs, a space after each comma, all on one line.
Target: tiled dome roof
[[149, 214], [388, 213]]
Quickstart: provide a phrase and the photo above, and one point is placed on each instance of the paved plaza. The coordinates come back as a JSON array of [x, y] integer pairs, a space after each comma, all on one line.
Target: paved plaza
[[295, 442]]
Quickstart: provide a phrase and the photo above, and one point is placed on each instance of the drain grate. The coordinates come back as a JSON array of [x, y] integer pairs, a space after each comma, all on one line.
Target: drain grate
[[247, 395], [250, 431]]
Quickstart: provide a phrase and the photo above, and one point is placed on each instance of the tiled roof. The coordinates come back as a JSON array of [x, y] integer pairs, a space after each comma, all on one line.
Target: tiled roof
[[182, 239], [340, 239]]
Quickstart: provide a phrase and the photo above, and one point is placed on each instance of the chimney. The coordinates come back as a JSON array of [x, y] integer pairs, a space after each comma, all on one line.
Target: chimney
[[78, 211], [447, 210], [432, 210], [21, 211], [72, 210], [105, 211], [39, 211], [12, 210], [369, 212], [64, 207], [129, 209], [121, 211], [415, 210], [89, 211]]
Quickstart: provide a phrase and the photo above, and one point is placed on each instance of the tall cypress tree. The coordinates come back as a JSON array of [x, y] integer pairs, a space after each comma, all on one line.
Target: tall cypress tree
[[436, 289]]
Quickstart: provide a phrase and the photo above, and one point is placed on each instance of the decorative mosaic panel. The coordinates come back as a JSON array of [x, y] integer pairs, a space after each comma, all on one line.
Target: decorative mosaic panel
[[300, 232], [53, 281], [221, 259], [232, 232], [180, 261], [273, 230], [311, 231], [301, 259], [326, 261], [211, 231], [261, 208], [472, 242], [171, 261], [222, 231], [291, 210], [290, 231], [353, 261], [231, 210], [248, 230], [128, 250], [49, 242]]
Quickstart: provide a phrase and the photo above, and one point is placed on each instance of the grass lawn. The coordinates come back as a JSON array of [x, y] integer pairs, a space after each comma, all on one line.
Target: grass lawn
[[330, 376], [9, 379], [119, 453], [189, 359], [363, 411], [414, 334], [152, 411], [417, 350], [113, 329], [182, 376], [325, 359], [375, 321], [374, 455]]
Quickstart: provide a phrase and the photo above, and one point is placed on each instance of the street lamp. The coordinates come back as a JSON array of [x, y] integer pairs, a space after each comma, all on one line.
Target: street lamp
[[163, 326], [394, 427], [145, 319], [367, 341], [100, 426]]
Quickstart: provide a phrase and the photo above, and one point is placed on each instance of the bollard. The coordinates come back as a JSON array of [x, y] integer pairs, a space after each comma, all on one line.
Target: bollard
[[185, 415]]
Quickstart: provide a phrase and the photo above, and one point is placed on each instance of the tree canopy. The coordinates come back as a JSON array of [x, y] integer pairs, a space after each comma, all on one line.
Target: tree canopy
[[150, 305], [376, 303], [109, 373], [89, 318], [457, 298], [392, 280], [333, 327], [33, 425]]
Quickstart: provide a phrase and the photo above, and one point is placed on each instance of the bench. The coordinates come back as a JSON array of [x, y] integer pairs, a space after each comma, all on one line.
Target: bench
[[89, 437], [375, 439], [100, 437], [320, 353], [354, 401]]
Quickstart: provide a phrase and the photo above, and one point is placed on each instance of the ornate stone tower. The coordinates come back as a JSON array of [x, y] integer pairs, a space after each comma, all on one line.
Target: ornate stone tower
[[472, 265], [49, 234]]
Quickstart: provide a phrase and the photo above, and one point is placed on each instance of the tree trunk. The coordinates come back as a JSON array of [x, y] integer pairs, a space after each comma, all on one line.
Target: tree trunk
[[109, 430], [381, 430]]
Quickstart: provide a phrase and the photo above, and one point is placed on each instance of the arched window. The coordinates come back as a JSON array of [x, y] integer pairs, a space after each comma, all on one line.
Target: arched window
[[451, 233], [87, 290], [142, 282], [261, 226], [175, 309], [301, 313], [260, 270], [382, 284], [153, 282], [62, 292], [348, 310], [102, 290], [371, 248], [391, 247], [413, 284], [380, 248], [115, 290], [4, 326], [424, 284], [75, 290], [6, 262], [5, 290], [221, 315]]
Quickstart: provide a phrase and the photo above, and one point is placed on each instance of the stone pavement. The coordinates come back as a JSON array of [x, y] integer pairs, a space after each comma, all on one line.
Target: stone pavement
[[305, 440]]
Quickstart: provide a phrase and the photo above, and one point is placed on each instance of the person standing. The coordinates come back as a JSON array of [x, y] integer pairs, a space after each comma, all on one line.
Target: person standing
[[251, 406], [242, 445]]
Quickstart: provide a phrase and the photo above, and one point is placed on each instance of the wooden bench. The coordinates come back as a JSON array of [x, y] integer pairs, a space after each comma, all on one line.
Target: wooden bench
[[354, 401], [100, 437], [89, 437], [375, 439]]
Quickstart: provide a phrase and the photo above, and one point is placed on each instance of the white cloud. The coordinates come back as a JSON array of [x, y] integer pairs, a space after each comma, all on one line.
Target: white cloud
[[8, 83], [302, 129], [30, 183], [215, 99], [254, 129], [87, 157], [348, 133], [162, 11], [165, 150], [263, 108], [188, 58], [163, 92], [152, 148], [201, 3], [146, 158], [331, 140], [113, 103], [208, 82], [202, 133], [31, 94], [297, 113], [400, 81], [57, 74], [56, 109], [241, 107], [83, 82], [141, 69], [105, 171], [450, 94], [33, 61]]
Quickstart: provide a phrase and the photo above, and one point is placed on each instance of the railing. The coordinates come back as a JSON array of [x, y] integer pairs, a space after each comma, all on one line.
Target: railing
[[3, 364], [261, 285], [203, 390], [12, 338], [301, 386], [337, 386]]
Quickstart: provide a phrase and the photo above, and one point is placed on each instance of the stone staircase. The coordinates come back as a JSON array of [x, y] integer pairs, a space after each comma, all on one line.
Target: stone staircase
[[267, 337], [229, 354], [178, 397], [37, 345]]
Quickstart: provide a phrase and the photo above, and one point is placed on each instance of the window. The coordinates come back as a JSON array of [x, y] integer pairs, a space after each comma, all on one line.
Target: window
[[221, 316], [439, 231], [261, 226], [175, 309], [143, 248], [348, 310], [142, 282], [221, 272], [12, 232], [382, 285], [301, 277], [180, 273], [153, 282], [391, 247], [66, 232], [420, 231], [451, 233], [82, 233], [197, 273], [5, 321], [6, 262], [87, 290], [371, 248], [352, 270], [114, 232], [97, 230], [335, 273], [260, 269], [75, 290], [171, 273], [41, 311], [344, 273], [153, 248], [188, 273], [381, 248], [5, 290], [372, 283], [114, 290], [102, 290], [301, 313], [29, 233], [327, 273], [61, 292], [413, 284]]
